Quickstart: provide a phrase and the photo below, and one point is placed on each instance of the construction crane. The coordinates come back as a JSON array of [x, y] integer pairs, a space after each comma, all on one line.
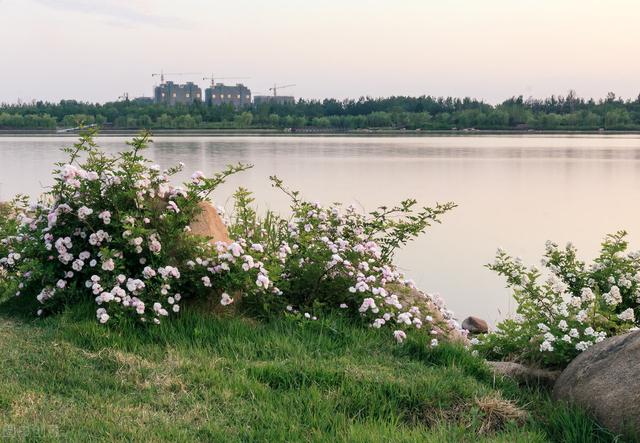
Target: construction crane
[[213, 82], [162, 74], [276, 87]]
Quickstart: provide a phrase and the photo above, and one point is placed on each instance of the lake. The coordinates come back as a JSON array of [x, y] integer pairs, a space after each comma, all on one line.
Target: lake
[[513, 191]]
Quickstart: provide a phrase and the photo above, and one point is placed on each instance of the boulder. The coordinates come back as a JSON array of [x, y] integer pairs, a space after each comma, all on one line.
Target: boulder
[[209, 224], [604, 380], [524, 374], [475, 325]]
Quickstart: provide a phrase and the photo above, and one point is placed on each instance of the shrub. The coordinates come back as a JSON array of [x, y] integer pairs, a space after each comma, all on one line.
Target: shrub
[[334, 259], [111, 226], [568, 308]]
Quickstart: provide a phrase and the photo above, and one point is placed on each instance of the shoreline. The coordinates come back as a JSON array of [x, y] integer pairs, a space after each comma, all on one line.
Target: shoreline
[[313, 133]]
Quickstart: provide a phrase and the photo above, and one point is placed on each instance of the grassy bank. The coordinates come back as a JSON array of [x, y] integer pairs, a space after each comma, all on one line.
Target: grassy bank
[[205, 378]]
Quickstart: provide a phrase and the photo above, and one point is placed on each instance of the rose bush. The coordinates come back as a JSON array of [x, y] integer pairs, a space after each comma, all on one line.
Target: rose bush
[[115, 229], [571, 306], [112, 227], [335, 259]]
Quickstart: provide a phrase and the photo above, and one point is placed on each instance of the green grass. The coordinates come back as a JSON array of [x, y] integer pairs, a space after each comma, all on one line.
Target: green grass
[[207, 378]]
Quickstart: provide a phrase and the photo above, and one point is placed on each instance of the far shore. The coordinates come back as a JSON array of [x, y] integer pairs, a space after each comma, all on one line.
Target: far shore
[[310, 133]]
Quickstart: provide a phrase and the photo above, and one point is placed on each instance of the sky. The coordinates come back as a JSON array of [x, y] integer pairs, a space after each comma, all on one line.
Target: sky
[[97, 50]]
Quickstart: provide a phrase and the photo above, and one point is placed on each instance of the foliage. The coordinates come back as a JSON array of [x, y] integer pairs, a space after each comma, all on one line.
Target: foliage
[[113, 227], [572, 308], [568, 112]]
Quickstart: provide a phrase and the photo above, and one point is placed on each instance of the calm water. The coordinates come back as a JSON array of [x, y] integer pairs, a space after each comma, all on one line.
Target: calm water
[[513, 191]]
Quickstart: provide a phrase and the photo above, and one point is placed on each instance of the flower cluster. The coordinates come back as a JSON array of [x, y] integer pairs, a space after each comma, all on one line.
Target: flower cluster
[[570, 306], [112, 228]]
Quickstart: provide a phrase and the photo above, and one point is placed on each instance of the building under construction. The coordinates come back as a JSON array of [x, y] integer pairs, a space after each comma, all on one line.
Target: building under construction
[[219, 94], [170, 93]]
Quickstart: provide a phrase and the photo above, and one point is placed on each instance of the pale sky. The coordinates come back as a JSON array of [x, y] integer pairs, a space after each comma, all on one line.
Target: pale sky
[[95, 50]]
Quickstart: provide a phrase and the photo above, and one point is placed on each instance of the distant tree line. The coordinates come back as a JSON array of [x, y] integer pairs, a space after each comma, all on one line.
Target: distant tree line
[[426, 113]]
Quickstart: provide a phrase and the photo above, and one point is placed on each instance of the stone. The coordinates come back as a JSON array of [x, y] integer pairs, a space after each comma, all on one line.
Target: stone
[[209, 224], [524, 374], [475, 325], [604, 380], [414, 297]]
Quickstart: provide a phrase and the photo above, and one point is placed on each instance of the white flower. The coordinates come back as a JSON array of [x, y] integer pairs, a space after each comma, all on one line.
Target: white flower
[[587, 294], [225, 299], [546, 346], [613, 297], [83, 212], [172, 206], [368, 303], [400, 336], [108, 265], [262, 281], [434, 342], [404, 317], [583, 346], [562, 324], [77, 264], [101, 315], [105, 216], [197, 176], [627, 315]]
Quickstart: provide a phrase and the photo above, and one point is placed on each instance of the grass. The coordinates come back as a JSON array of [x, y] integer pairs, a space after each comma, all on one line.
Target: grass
[[207, 378]]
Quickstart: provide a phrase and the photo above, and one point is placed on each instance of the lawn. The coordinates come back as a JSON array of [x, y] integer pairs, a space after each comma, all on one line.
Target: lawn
[[208, 378]]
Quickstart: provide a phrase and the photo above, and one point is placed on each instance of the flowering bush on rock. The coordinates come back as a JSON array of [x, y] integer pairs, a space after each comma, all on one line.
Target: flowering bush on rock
[[566, 311], [334, 259], [113, 228]]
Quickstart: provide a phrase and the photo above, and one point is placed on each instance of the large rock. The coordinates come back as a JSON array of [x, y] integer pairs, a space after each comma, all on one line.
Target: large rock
[[209, 224], [605, 379], [475, 325]]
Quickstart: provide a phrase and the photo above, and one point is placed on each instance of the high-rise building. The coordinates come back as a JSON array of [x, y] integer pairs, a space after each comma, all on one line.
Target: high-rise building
[[218, 94], [170, 93]]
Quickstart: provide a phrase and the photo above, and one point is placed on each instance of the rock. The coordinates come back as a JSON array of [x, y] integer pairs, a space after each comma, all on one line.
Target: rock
[[209, 224], [414, 297], [475, 325], [604, 380], [524, 374]]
